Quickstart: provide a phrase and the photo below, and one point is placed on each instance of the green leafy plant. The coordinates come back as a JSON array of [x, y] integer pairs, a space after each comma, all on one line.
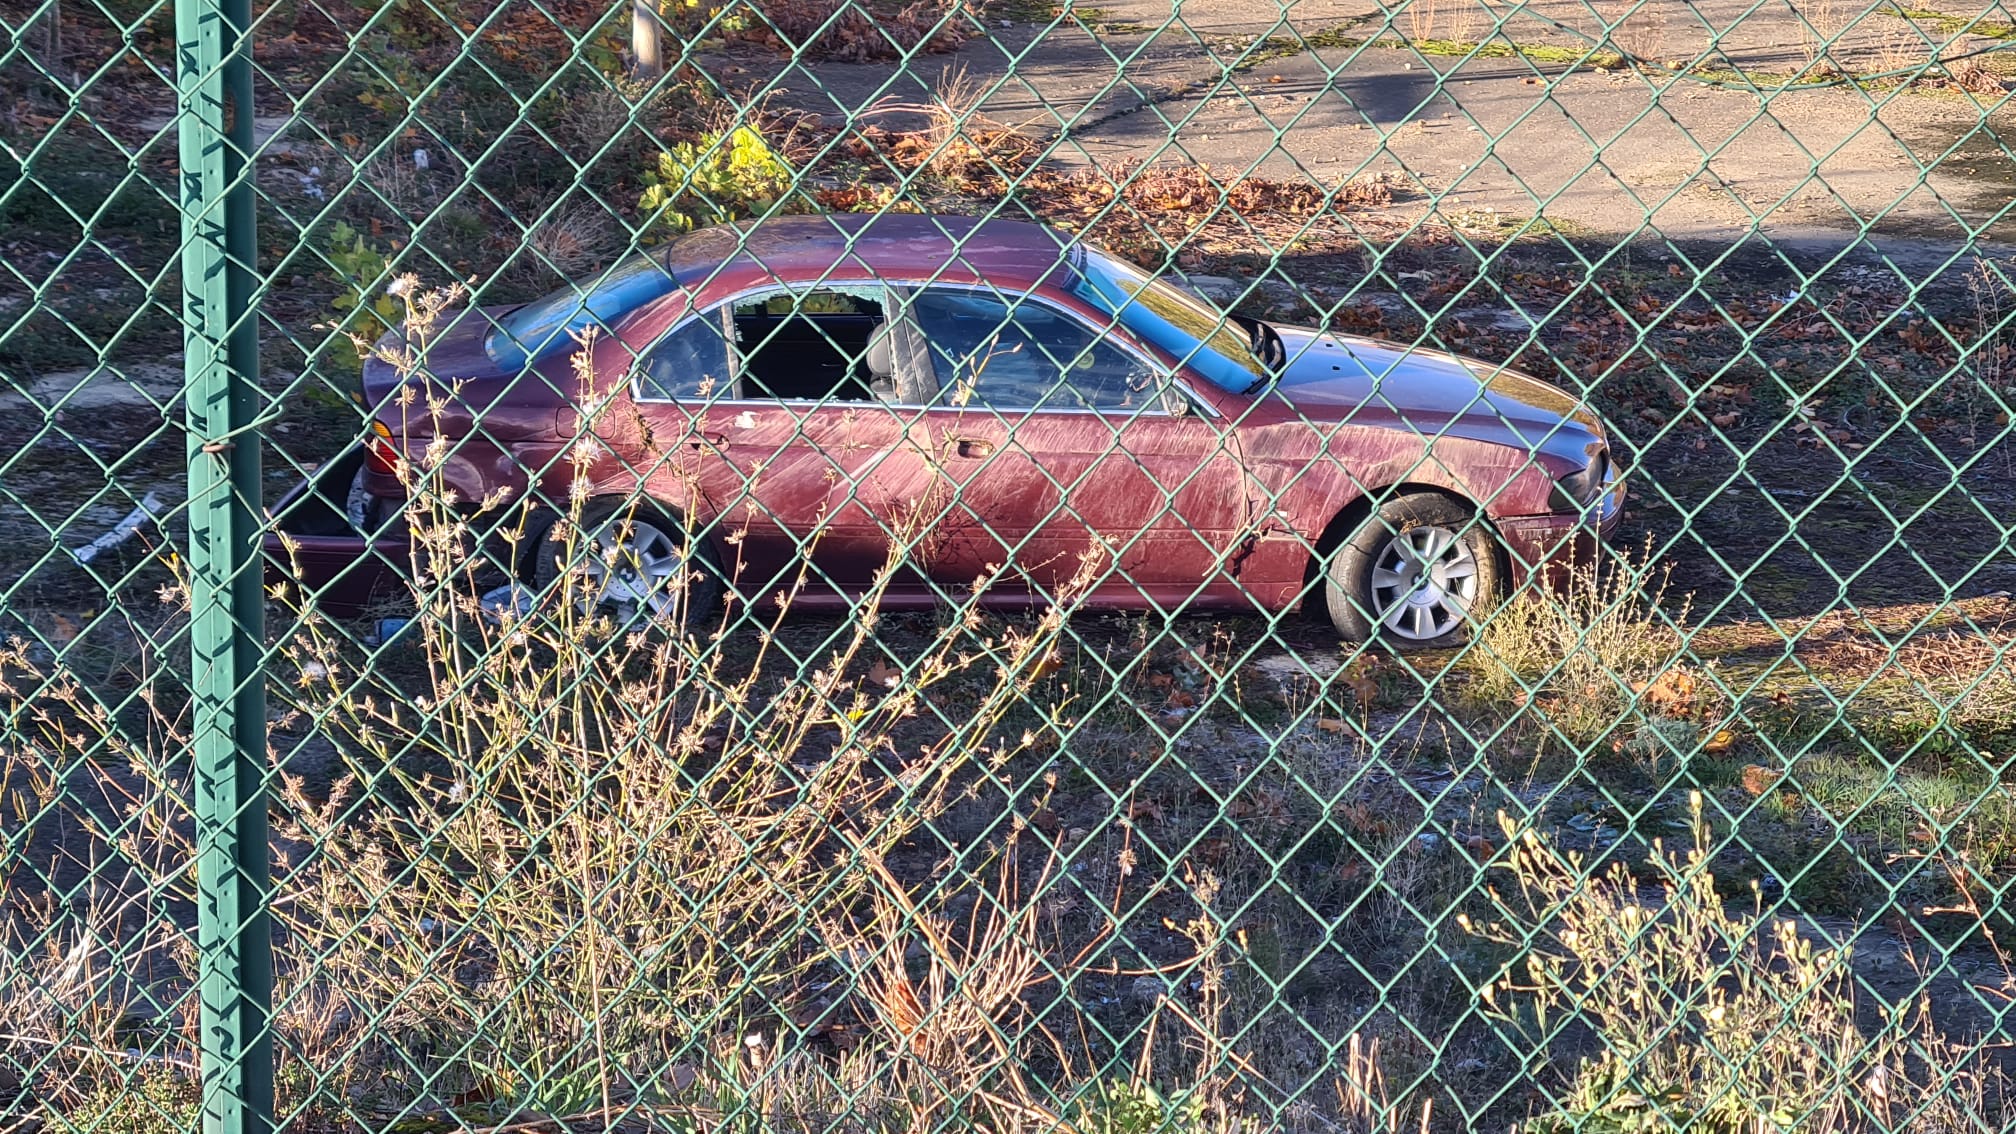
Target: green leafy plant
[[717, 179], [1123, 1107], [359, 268]]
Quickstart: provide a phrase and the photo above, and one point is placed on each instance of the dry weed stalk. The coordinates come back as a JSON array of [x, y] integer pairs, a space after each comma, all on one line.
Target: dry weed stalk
[[88, 943], [582, 806], [1463, 20], [1821, 23], [1362, 1097], [1635, 29], [1597, 658], [959, 141], [1708, 1018], [1422, 16], [551, 873], [953, 1033]]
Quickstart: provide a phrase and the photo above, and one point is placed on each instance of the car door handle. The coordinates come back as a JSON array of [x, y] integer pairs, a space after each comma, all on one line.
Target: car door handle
[[701, 442], [969, 448]]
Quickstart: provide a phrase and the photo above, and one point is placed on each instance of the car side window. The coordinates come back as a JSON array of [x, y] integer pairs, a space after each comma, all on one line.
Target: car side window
[[689, 362], [987, 351]]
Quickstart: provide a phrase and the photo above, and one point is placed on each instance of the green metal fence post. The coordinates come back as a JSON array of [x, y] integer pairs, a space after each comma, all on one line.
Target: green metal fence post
[[214, 82]]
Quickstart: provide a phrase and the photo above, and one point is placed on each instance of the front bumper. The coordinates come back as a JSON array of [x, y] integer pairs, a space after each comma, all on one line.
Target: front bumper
[[1550, 547]]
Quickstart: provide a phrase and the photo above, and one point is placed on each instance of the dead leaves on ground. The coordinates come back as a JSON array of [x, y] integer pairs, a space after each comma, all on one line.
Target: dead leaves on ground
[[1132, 207], [858, 31]]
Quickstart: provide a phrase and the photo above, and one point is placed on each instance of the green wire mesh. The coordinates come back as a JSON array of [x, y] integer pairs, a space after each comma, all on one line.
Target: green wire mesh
[[1086, 828]]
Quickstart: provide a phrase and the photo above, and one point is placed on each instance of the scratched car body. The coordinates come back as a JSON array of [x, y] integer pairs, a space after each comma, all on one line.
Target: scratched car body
[[786, 398]]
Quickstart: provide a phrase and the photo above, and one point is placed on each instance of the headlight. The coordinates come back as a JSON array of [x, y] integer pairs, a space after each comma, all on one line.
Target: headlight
[[1577, 491]]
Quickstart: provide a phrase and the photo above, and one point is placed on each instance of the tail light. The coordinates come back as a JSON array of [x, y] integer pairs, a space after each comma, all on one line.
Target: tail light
[[380, 454]]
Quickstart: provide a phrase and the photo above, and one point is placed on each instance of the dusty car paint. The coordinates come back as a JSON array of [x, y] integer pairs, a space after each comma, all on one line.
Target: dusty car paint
[[1223, 500]]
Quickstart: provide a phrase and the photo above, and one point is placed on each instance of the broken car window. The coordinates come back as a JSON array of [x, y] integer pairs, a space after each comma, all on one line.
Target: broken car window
[[808, 345]]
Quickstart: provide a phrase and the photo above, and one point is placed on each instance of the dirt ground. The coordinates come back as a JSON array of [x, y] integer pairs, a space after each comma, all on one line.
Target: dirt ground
[[1778, 286]]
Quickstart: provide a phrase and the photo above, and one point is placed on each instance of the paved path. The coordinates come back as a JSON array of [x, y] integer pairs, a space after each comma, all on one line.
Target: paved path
[[1646, 151]]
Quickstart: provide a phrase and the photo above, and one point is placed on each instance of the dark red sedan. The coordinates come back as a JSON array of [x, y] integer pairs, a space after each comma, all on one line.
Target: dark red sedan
[[995, 393]]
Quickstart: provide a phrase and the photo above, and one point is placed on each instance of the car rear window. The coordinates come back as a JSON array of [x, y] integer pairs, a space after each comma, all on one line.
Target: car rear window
[[546, 325]]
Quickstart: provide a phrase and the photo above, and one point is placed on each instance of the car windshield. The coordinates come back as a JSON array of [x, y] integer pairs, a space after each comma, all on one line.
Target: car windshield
[[1173, 319], [545, 325]]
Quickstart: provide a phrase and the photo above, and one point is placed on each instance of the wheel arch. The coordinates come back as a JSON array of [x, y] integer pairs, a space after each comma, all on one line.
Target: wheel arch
[[541, 525], [1354, 513]]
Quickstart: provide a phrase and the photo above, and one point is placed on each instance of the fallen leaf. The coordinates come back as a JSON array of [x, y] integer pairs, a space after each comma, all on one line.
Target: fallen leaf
[[884, 674], [1721, 742], [1051, 663], [1332, 724], [61, 630], [1726, 419], [1359, 677], [1264, 807], [1144, 809], [1672, 692], [1758, 779]]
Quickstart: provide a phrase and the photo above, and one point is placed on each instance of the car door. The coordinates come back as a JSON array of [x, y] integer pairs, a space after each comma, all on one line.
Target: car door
[[1058, 442], [811, 461]]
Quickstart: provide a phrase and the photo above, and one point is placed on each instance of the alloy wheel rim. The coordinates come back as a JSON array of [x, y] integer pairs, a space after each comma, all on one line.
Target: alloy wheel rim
[[635, 564], [1424, 582]]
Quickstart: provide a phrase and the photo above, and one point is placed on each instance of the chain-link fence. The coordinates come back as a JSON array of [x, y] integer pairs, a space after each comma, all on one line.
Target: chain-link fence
[[912, 564]]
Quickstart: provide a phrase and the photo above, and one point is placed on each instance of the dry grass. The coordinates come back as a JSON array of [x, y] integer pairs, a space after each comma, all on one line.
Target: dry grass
[[1821, 23], [957, 142], [1633, 29], [604, 109], [1713, 1020], [576, 240], [1598, 660]]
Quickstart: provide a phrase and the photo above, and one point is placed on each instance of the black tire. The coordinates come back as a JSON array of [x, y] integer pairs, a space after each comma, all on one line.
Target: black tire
[[1371, 584], [684, 592]]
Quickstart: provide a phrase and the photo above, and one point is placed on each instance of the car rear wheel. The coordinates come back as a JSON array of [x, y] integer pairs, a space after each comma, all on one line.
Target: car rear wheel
[[1417, 573], [635, 562]]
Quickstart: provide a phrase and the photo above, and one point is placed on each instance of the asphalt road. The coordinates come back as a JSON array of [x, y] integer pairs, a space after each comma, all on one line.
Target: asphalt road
[[1647, 152]]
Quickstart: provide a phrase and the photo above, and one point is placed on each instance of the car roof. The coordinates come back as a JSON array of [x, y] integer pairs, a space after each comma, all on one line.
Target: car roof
[[895, 246]]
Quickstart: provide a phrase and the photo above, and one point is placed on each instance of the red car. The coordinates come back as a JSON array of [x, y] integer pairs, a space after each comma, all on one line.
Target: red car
[[1004, 394]]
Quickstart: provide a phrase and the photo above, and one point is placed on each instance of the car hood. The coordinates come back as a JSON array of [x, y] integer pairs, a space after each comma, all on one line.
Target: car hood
[[1345, 378]]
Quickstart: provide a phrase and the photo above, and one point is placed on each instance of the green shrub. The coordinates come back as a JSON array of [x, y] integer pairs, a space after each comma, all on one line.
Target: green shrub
[[717, 179]]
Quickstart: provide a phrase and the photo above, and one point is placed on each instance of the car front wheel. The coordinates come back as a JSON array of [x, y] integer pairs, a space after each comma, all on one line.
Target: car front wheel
[[1417, 573]]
